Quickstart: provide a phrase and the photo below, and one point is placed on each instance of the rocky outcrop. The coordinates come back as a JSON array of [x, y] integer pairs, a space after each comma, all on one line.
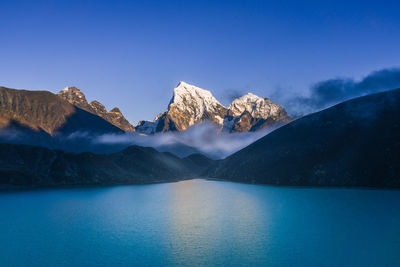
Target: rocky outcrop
[[75, 96]]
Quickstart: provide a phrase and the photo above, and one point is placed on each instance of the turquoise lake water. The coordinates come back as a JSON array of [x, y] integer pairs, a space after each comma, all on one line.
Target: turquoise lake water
[[200, 223]]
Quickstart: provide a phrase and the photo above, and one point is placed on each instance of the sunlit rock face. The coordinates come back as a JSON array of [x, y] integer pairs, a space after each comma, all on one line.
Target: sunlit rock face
[[251, 113], [191, 105], [258, 107], [44, 114], [75, 96], [36, 110]]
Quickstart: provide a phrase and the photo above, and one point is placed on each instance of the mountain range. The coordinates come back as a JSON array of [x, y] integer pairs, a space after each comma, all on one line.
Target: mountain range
[[354, 143], [67, 121], [191, 105]]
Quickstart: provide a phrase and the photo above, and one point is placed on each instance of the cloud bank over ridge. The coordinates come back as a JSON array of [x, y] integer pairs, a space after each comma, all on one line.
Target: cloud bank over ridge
[[329, 92]]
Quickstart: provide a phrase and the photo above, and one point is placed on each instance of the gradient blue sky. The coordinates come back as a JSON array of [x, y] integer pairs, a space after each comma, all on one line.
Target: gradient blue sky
[[131, 54]]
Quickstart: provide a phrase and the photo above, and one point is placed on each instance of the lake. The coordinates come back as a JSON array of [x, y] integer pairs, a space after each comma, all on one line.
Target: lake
[[200, 223]]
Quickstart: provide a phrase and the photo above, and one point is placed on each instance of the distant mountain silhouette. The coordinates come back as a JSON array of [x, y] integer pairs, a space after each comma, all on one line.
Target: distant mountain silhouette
[[355, 143], [30, 166]]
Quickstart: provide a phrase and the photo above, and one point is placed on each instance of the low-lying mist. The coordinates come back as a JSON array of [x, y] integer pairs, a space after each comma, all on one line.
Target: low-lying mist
[[205, 138]]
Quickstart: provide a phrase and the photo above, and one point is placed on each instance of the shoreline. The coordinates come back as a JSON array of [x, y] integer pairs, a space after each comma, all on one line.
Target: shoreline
[[14, 188]]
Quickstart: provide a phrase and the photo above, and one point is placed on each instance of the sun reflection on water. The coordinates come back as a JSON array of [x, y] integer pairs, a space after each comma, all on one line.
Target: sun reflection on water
[[201, 216]]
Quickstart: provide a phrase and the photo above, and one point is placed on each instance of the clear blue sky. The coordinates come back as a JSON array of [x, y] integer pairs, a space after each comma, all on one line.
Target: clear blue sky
[[131, 54]]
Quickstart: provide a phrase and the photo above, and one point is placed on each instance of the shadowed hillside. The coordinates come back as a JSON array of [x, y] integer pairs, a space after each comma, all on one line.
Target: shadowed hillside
[[27, 166], [355, 143]]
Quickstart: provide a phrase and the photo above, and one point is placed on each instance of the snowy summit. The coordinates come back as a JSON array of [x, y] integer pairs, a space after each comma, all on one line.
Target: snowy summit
[[190, 105]]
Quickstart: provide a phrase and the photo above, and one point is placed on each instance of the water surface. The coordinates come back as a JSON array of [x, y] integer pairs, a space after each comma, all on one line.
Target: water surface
[[200, 223]]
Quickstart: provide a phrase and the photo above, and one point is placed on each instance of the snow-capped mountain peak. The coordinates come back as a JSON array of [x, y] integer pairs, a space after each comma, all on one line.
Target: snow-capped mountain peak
[[257, 106], [196, 95], [196, 103], [191, 104]]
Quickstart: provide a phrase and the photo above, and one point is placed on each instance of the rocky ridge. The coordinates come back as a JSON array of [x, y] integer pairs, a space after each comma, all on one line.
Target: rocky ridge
[[75, 96]]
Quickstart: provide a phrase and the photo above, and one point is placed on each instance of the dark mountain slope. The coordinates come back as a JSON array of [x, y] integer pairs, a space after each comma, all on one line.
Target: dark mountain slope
[[198, 163], [27, 166], [355, 143]]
